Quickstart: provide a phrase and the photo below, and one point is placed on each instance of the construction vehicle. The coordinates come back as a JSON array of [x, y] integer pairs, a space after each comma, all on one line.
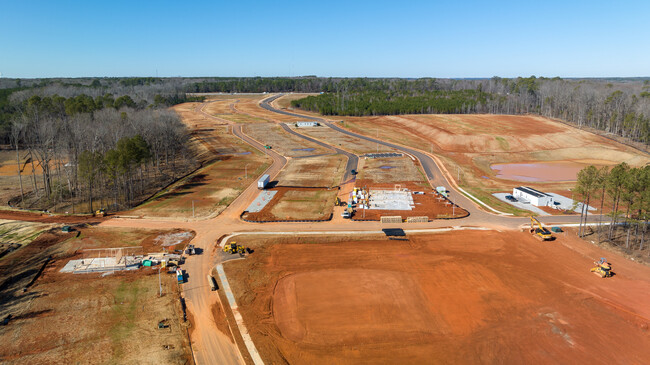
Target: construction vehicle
[[179, 276], [233, 248], [538, 230], [100, 213], [190, 250], [347, 213], [603, 268], [213, 283]]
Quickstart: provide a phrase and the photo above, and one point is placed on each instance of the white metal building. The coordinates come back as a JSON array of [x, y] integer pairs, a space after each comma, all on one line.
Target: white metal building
[[534, 197], [307, 124]]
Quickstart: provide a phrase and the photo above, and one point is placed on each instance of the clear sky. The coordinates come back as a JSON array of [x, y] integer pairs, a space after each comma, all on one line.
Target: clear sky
[[376, 38]]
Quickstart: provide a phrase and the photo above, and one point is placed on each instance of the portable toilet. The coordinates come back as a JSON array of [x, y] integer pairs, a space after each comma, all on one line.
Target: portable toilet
[[146, 263]]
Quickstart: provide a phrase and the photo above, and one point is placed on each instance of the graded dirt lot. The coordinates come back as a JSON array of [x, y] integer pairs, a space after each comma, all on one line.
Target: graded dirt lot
[[317, 171], [297, 204], [88, 318], [459, 297], [469, 145], [390, 170], [283, 142], [343, 141]]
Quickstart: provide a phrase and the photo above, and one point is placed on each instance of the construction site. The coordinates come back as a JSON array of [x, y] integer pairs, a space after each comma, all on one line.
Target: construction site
[[361, 243], [465, 296]]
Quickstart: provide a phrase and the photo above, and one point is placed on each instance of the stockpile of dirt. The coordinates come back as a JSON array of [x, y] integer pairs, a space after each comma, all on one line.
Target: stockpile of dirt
[[462, 297]]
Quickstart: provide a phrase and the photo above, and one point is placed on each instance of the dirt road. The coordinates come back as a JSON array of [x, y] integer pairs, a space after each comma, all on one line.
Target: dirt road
[[211, 346]]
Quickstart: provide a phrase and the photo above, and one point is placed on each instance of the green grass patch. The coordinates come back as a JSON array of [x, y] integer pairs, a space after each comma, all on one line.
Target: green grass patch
[[503, 143], [123, 313]]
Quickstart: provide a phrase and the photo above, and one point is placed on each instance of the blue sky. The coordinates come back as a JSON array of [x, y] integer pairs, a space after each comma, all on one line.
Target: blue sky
[[329, 38]]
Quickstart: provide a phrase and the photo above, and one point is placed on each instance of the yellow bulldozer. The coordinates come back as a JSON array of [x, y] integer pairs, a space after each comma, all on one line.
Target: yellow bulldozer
[[100, 213], [233, 248], [603, 268], [538, 230]]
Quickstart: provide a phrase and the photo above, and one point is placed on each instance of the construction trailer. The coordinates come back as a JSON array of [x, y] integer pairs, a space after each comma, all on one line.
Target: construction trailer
[[263, 181]]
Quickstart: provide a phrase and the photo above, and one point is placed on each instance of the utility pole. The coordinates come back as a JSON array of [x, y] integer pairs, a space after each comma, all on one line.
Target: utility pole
[[192, 208], [246, 170], [453, 206], [159, 282], [377, 140]]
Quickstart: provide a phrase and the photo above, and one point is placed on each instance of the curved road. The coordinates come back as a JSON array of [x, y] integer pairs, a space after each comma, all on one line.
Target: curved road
[[477, 214], [210, 346]]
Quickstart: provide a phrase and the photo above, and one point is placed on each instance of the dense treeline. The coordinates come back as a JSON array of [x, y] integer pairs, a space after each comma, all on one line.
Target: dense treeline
[[627, 191], [388, 103], [617, 106], [80, 153]]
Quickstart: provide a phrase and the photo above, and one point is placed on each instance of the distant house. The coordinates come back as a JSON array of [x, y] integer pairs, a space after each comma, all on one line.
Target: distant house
[[534, 197], [307, 124]]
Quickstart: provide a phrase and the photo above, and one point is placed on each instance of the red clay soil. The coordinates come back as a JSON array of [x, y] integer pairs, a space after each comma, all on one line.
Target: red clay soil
[[461, 297], [49, 218], [430, 204]]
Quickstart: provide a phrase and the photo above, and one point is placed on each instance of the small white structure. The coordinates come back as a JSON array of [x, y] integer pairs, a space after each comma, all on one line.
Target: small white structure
[[307, 124], [534, 197]]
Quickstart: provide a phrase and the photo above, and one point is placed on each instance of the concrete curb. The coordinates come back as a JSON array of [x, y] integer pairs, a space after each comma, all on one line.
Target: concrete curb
[[250, 346]]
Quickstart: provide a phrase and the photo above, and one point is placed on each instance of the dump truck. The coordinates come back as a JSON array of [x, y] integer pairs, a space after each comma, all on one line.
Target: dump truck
[[213, 283], [263, 181], [179, 276]]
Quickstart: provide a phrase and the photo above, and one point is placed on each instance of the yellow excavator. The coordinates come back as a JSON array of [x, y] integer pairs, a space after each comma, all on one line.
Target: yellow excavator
[[538, 230]]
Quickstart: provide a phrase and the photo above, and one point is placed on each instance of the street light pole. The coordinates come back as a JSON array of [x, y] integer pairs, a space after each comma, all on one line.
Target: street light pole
[[246, 170], [159, 282]]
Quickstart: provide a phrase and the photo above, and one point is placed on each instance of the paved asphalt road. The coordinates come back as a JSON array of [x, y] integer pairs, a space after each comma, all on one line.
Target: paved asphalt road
[[210, 346], [436, 177]]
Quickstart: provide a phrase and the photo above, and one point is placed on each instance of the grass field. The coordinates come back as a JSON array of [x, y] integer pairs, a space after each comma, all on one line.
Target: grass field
[[209, 190]]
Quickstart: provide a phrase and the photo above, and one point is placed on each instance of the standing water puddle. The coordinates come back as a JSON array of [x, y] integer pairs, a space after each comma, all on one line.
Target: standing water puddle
[[303, 149], [386, 167]]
